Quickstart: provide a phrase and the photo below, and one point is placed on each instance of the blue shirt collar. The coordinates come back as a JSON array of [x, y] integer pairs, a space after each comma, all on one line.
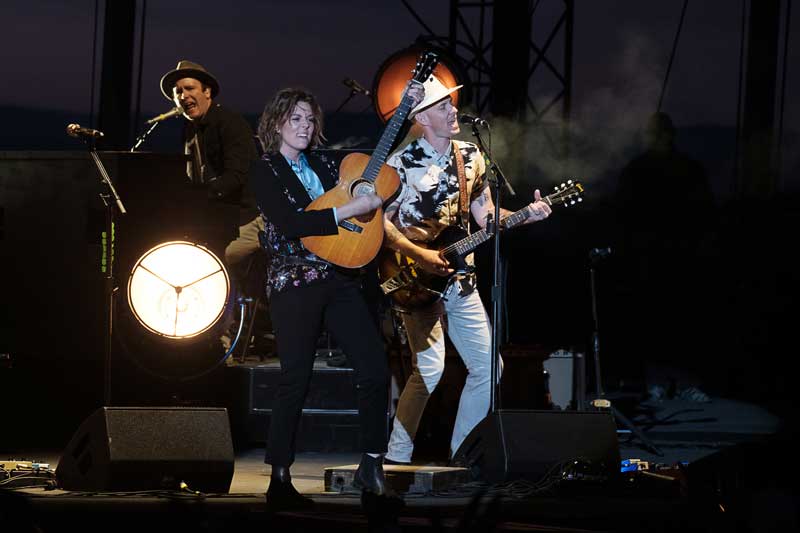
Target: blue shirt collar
[[300, 165]]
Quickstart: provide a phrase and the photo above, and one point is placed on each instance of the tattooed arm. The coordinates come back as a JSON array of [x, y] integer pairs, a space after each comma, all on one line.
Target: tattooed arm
[[484, 205]]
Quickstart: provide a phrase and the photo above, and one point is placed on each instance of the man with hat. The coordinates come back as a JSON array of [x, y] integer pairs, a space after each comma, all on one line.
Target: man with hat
[[435, 170], [220, 142], [221, 147]]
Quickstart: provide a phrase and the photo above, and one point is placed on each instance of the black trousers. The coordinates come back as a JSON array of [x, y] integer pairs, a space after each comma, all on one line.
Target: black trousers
[[298, 316]]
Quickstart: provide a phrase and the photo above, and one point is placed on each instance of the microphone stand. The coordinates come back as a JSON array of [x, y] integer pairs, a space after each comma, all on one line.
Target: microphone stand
[[350, 96], [112, 201], [601, 401], [498, 180], [144, 135]]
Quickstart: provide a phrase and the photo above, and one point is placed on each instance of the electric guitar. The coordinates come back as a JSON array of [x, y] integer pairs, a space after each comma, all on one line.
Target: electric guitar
[[359, 238], [410, 287]]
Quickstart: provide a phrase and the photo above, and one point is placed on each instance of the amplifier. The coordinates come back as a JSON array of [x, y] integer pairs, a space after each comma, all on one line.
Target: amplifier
[[329, 422], [332, 389]]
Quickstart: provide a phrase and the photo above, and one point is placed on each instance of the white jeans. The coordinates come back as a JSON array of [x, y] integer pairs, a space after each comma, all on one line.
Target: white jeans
[[465, 320]]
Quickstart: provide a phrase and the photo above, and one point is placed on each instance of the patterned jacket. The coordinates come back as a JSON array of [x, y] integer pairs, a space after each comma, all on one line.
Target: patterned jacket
[[282, 200]]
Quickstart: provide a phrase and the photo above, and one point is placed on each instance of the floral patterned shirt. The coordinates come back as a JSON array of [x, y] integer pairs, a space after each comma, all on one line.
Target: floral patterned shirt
[[429, 200]]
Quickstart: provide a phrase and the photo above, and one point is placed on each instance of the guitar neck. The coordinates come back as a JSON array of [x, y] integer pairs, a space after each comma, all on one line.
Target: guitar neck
[[470, 242], [387, 139], [515, 218]]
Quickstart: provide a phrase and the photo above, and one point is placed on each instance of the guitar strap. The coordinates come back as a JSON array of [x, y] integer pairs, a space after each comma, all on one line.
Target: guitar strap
[[463, 197], [465, 281]]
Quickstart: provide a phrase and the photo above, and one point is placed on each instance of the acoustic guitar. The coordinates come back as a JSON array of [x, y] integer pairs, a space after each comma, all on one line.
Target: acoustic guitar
[[359, 238], [412, 288]]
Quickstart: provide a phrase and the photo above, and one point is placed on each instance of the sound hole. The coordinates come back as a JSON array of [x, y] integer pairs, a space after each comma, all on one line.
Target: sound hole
[[361, 187]]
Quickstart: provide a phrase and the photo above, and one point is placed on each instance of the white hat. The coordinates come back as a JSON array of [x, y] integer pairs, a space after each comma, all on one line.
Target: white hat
[[435, 91]]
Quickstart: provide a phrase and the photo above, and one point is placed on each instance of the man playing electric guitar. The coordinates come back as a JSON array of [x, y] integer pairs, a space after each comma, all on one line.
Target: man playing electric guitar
[[442, 181], [411, 287]]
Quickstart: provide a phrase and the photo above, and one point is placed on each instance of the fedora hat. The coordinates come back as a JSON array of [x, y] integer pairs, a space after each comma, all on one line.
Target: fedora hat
[[188, 69], [435, 91]]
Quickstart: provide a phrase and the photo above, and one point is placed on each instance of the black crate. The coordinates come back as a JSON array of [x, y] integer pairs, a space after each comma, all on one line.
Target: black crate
[[330, 414], [332, 388]]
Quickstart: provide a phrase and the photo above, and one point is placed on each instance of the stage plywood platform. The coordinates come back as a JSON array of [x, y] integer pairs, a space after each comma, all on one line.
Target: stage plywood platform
[[408, 479]]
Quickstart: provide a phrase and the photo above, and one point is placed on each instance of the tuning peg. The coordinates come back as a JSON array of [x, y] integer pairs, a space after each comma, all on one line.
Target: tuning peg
[[569, 182], [580, 199]]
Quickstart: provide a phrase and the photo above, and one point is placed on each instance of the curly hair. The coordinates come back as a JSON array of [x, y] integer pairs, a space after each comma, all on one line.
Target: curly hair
[[277, 111]]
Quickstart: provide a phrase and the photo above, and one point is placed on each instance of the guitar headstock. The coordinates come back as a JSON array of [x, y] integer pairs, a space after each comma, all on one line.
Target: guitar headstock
[[567, 193], [426, 62]]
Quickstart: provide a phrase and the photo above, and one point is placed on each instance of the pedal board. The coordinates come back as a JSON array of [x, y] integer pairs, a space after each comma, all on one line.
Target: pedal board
[[25, 474], [13, 464]]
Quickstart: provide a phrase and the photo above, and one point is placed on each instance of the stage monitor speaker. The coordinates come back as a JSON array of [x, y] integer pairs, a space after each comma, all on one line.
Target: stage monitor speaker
[[511, 444], [149, 448]]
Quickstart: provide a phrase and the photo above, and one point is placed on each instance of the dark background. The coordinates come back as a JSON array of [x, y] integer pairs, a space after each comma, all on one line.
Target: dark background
[[721, 314]]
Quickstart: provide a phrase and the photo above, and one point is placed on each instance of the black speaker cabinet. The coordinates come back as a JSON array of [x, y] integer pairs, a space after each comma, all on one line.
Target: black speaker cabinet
[[509, 444], [138, 448]]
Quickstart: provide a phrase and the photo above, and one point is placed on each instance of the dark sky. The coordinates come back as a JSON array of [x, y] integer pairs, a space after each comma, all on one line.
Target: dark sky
[[255, 47], [621, 52]]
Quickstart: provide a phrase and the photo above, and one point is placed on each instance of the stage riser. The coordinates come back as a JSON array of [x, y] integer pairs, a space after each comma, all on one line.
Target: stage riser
[[406, 479]]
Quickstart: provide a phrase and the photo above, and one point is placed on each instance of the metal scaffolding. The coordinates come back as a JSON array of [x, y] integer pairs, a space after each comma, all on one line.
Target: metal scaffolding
[[472, 38]]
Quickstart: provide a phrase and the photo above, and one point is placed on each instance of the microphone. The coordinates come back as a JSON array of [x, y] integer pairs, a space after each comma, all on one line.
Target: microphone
[[469, 119], [355, 86], [174, 112], [75, 130]]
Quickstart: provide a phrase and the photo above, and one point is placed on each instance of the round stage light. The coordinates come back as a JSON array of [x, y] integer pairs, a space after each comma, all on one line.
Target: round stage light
[[394, 73], [178, 289]]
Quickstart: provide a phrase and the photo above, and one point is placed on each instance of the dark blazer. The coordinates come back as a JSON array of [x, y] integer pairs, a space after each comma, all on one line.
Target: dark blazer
[[282, 200], [228, 148]]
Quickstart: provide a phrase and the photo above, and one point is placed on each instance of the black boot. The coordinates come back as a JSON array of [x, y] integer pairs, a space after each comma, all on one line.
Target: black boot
[[369, 477], [281, 494]]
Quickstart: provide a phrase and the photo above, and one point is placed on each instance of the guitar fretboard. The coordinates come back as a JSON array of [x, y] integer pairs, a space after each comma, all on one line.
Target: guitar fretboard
[[387, 139], [515, 218], [469, 243]]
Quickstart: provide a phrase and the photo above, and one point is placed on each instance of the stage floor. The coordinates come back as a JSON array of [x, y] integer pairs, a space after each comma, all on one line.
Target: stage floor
[[697, 438], [244, 509]]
